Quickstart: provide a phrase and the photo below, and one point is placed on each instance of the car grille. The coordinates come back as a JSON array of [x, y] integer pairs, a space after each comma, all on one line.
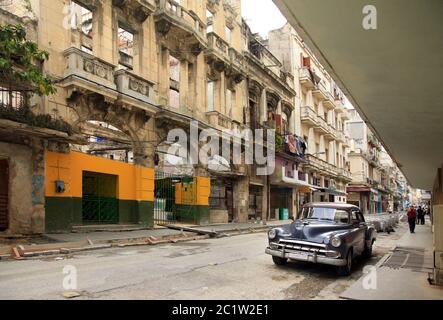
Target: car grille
[[296, 245]]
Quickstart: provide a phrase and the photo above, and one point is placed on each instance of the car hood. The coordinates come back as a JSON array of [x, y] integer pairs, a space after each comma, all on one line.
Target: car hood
[[315, 230]]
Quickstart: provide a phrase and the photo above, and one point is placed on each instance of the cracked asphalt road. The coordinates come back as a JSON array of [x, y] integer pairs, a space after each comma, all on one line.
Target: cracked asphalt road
[[228, 268]]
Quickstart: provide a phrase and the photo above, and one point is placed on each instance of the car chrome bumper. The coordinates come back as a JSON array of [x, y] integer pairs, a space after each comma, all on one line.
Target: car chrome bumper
[[305, 256]]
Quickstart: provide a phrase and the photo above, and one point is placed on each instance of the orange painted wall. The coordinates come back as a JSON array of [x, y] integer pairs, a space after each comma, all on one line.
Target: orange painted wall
[[134, 182], [195, 193]]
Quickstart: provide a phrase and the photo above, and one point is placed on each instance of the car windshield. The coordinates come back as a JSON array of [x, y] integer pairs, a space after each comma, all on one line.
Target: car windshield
[[330, 214]]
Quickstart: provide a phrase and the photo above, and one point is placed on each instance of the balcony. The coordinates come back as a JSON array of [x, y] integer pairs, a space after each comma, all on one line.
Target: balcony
[[218, 120], [308, 116], [172, 18], [135, 90], [87, 72], [332, 132], [320, 92], [329, 103], [237, 67], [344, 174], [217, 52], [281, 177], [345, 115], [340, 136], [324, 167], [306, 79], [322, 126], [141, 9]]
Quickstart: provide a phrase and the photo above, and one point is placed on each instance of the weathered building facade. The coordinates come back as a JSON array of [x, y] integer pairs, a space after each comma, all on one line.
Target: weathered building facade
[[127, 73], [321, 117]]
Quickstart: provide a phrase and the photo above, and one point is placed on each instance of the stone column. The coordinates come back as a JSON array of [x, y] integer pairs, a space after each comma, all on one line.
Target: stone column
[[38, 147], [437, 226], [263, 107], [241, 199], [184, 85]]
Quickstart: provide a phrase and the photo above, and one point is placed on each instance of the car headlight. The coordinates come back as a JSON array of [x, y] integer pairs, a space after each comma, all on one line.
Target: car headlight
[[336, 242], [272, 234]]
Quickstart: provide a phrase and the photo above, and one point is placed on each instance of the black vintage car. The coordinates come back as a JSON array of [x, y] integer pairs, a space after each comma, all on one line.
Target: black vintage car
[[328, 233]]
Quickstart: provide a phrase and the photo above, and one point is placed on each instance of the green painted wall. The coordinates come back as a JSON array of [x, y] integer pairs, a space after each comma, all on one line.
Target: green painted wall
[[62, 213], [193, 214]]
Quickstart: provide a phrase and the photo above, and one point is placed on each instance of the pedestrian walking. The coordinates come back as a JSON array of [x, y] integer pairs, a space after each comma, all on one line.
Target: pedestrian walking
[[420, 216], [412, 216]]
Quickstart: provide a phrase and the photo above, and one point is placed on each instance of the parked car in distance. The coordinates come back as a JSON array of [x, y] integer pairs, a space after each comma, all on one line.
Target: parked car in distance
[[327, 233]]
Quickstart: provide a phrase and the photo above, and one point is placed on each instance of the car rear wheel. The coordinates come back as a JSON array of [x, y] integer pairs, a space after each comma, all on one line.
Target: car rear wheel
[[347, 268], [279, 261]]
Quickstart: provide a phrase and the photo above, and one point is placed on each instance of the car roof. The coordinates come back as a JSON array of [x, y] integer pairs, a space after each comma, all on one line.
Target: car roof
[[332, 205]]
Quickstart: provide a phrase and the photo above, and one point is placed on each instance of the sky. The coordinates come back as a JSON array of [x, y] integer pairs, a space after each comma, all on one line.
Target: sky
[[262, 16]]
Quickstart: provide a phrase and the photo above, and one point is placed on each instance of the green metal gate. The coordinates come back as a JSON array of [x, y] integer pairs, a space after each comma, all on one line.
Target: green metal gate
[[166, 210], [99, 203]]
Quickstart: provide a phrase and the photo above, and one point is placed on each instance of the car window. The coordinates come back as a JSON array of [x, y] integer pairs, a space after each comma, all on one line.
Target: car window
[[361, 217], [354, 217], [341, 216], [331, 214]]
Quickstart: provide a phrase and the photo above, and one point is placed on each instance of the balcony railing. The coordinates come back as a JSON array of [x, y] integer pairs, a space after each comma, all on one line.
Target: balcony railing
[[308, 115], [217, 119], [135, 86], [306, 78], [345, 174], [171, 12], [218, 47], [88, 67], [141, 9], [326, 167], [320, 92], [322, 126]]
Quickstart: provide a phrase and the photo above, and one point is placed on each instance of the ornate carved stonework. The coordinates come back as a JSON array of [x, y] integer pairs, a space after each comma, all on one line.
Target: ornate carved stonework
[[212, 5], [139, 86], [97, 68]]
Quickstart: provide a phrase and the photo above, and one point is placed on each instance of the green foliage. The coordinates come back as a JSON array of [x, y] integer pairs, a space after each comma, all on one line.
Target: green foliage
[[25, 115], [18, 58], [279, 142]]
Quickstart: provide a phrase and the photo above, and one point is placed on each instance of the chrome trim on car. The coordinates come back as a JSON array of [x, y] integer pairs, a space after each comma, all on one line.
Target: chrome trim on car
[[305, 256], [305, 243]]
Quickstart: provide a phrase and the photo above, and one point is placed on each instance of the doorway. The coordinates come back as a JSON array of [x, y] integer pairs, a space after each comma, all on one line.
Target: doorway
[[99, 202], [4, 194]]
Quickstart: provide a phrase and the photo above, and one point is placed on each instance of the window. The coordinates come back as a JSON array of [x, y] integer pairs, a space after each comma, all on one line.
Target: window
[[125, 47], [210, 21], [174, 76], [228, 35], [340, 216], [210, 96], [81, 19], [12, 99], [228, 102]]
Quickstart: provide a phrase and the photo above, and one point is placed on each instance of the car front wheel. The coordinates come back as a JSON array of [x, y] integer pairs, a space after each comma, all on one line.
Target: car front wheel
[[368, 250], [347, 268], [279, 261]]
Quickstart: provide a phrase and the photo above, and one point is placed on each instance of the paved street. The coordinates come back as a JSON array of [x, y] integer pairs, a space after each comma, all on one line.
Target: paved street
[[228, 268]]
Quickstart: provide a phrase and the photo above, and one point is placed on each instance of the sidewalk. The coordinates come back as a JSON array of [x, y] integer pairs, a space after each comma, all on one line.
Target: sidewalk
[[402, 274]]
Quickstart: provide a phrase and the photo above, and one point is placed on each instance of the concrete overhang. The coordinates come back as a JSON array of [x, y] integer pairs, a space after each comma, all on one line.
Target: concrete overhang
[[392, 75]]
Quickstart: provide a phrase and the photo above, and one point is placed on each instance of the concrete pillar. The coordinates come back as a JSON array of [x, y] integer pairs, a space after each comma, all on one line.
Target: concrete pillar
[[38, 186], [263, 107], [163, 77], [184, 85], [437, 221], [241, 199]]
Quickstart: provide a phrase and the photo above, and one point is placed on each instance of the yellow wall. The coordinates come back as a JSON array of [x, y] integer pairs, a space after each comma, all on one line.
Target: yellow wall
[[194, 193], [134, 182]]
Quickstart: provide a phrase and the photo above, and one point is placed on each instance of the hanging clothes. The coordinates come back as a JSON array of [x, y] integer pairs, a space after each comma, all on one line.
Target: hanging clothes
[[292, 144]]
